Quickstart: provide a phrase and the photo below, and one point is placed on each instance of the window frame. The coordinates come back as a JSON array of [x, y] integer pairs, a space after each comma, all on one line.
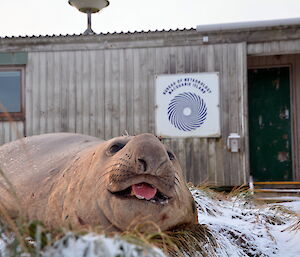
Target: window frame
[[15, 116]]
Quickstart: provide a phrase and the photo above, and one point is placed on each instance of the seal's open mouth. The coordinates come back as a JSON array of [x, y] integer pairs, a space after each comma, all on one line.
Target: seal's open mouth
[[143, 191]]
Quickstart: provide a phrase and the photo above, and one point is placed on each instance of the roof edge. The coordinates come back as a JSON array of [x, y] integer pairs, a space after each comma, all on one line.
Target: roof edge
[[248, 25], [98, 34]]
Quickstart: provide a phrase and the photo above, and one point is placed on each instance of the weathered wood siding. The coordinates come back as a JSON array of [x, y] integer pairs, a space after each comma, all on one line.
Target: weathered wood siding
[[110, 92], [271, 47], [10, 131], [294, 62], [106, 93], [104, 86]]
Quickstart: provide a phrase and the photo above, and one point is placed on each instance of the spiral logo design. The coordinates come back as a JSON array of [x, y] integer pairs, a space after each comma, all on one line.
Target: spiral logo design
[[187, 111]]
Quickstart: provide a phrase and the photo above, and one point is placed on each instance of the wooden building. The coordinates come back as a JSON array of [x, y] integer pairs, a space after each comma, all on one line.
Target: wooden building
[[103, 85]]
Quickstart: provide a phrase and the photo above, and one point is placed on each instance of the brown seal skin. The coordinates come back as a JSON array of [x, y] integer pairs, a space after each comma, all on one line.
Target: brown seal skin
[[66, 179]]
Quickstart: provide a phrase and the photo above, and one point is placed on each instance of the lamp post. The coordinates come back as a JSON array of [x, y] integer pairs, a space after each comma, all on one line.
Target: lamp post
[[89, 7]]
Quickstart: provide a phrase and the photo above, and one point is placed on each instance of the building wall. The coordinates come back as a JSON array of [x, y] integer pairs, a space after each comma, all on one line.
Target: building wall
[[104, 86], [11, 130], [110, 92], [286, 45]]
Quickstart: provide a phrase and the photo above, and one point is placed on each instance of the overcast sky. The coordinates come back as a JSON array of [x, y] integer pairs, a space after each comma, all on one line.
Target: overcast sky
[[42, 17]]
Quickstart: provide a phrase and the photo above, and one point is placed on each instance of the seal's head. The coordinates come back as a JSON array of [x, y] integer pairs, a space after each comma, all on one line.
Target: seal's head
[[141, 182]]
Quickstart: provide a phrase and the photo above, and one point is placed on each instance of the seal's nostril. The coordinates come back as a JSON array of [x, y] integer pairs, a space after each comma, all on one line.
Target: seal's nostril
[[143, 164]]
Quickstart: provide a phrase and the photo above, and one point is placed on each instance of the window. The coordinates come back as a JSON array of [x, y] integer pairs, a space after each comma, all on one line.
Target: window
[[11, 89]]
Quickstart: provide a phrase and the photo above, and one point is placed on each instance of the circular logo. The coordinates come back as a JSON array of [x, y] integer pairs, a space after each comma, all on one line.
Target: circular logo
[[187, 111]]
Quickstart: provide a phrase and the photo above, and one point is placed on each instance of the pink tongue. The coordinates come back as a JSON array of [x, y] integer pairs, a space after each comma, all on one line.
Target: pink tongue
[[144, 190]]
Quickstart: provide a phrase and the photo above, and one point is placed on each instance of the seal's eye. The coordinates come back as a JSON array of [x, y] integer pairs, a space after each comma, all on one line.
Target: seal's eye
[[115, 148], [171, 156]]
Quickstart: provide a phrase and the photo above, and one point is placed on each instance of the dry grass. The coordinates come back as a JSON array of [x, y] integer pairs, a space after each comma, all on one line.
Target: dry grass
[[31, 237], [182, 241], [295, 226]]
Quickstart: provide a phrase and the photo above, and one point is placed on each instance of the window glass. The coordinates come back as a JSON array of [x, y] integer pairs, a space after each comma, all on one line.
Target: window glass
[[10, 90]]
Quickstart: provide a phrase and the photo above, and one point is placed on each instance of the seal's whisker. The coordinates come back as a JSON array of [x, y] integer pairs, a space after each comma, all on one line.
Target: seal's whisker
[[99, 183], [103, 175], [108, 169]]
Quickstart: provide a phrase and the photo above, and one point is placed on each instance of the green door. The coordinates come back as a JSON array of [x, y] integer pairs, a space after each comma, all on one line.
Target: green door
[[270, 124]]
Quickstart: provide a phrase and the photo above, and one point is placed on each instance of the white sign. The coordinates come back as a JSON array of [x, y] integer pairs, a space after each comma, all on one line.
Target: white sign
[[187, 105]]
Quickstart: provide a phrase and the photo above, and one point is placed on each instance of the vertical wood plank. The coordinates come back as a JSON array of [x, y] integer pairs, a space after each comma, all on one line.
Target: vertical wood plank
[[195, 59], [189, 159], [64, 68], [28, 95], [85, 87], [241, 74], [181, 154], [233, 106], [7, 133], [224, 101], [122, 95], [36, 96], [108, 96], [187, 59], [137, 102], [49, 91], [180, 60], [99, 64], [143, 88], [220, 143], [151, 90], [92, 94], [57, 93], [71, 91], [129, 91], [43, 99], [172, 58], [11, 130], [2, 133], [203, 142], [115, 88], [212, 168]]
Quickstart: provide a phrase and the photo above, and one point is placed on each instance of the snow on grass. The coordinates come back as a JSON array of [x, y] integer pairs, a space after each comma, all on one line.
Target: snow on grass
[[238, 226], [92, 245], [293, 206], [243, 228]]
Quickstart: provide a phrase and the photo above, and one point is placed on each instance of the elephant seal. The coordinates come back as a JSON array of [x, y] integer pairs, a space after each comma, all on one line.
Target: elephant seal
[[66, 179]]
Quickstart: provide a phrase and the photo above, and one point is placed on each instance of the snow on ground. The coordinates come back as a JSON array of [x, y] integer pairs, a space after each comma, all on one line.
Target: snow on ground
[[92, 245], [243, 228], [295, 206], [240, 227]]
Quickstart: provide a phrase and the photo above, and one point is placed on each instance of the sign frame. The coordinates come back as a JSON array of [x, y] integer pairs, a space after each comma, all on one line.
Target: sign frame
[[187, 105]]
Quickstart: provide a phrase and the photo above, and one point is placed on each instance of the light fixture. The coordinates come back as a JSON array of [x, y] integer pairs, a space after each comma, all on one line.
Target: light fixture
[[89, 7]]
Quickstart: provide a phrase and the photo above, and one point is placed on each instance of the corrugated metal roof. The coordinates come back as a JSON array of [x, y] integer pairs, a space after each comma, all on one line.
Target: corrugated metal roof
[[213, 28], [99, 34]]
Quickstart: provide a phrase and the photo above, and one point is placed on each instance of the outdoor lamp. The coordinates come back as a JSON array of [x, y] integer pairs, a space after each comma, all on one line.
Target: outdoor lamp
[[89, 7]]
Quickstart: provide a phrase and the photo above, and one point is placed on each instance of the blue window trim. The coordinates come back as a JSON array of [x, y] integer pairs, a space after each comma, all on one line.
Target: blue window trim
[[14, 58]]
